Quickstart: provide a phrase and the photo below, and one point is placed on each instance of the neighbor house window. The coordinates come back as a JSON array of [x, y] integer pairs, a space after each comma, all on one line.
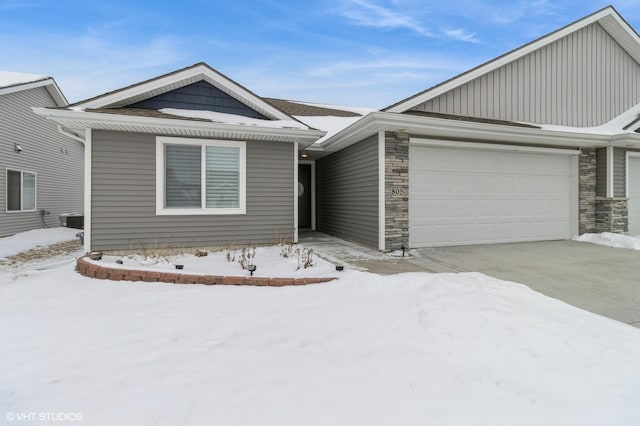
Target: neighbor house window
[[21, 191], [200, 176]]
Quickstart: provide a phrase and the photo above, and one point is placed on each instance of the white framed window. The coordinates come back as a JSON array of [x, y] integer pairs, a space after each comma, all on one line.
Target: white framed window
[[200, 176], [20, 191]]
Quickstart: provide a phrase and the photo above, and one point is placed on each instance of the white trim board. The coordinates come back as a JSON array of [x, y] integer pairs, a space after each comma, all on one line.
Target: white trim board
[[491, 147], [87, 189], [295, 192], [382, 201], [161, 210], [49, 83], [181, 78]]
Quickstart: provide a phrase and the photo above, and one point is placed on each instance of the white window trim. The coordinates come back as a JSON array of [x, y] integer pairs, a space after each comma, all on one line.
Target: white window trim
[[6, 191], [161, 141]]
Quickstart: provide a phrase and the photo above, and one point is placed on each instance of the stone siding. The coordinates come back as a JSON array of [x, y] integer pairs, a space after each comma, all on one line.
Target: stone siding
[[612, 215], [396, 190], [587, 190]]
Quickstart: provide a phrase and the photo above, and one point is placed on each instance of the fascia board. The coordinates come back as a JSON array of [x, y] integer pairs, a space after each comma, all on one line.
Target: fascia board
[[203, 71], [49, 83], [68, 117], [507, 58], [465, 130]]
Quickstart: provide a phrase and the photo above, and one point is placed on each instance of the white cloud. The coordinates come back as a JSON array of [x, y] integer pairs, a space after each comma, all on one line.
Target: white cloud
[[366, 13], [461, 35]]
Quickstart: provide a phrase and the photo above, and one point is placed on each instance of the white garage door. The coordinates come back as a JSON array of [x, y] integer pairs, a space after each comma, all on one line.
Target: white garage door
[[470, 196], [633, 172]]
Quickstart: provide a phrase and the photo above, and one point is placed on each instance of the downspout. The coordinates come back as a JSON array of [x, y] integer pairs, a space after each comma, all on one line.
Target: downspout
[[69, 134], [85, 236]]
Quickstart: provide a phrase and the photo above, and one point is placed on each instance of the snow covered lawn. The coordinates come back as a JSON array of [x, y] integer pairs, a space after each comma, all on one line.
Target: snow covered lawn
[[365, 349], [35, 238]]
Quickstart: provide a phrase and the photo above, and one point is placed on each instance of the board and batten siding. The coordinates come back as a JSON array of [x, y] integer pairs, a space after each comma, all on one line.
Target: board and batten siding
[[124, 198], [57, 160], [199, 96], [347, 193], [583, 79]]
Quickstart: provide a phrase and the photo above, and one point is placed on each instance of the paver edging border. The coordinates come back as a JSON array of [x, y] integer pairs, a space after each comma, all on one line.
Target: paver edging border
[[91, 270]]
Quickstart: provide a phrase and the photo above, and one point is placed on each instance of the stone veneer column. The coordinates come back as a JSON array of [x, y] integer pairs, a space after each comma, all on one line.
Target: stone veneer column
[[612, 215], [396, 190], [587, 190]]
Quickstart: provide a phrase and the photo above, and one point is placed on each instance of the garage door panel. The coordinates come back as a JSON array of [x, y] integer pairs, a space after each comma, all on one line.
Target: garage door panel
[[466, 196]]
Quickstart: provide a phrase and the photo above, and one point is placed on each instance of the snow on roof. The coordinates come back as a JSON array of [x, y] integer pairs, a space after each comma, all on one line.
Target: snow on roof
[[219, 117], [328, 123], [8, 78], [624, 123]]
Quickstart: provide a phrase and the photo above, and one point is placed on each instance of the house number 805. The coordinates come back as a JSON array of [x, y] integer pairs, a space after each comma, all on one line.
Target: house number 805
[[397, 191]]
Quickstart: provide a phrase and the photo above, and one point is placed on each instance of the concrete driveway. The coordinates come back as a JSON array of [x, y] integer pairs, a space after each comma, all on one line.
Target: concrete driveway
[[599, 279]]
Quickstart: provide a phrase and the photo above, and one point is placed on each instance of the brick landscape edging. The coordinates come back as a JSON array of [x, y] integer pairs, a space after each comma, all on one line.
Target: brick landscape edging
[[92, 270]]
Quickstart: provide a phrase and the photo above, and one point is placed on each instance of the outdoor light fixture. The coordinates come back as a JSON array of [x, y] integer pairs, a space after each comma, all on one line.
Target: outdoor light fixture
[[251, 269], [304, 155], [17, 147], [339, 268]]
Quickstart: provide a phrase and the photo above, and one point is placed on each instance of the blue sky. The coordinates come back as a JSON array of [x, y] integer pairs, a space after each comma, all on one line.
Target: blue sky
[[348, 52]]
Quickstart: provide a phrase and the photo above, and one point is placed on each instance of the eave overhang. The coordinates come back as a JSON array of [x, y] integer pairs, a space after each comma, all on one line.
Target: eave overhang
[[77, 121], [438, 128]]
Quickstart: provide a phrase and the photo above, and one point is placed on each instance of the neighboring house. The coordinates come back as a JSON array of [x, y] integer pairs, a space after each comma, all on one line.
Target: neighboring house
[[538, 144], [41, 170]]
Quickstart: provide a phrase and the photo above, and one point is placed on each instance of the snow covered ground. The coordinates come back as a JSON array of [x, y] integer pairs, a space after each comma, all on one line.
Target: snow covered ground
[[35, 238], [611, 240], [462, 349]]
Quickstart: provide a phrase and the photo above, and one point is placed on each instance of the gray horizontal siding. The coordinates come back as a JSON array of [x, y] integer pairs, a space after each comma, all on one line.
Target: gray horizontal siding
[[57, 160], [583, 79], [124, 198], [347, 193], [199, 96]]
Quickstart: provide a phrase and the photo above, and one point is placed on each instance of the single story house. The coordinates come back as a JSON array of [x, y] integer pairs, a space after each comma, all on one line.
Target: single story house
[[41, 170], [540, 143]]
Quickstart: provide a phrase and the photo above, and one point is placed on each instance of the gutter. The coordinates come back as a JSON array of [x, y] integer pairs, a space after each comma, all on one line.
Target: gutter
[[465, 130], [107, 121]]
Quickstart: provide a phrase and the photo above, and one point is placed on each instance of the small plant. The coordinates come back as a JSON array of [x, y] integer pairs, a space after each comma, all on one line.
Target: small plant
[[247, 257], [305, 258], [230, 254], [286, 250]]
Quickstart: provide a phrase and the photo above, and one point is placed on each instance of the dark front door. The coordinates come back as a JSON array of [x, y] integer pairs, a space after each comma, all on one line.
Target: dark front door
[[304, 195]]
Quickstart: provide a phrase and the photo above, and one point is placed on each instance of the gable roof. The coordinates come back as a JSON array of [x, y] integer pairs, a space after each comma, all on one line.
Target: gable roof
[[612, 22], [11, 82], [294, 108], [162, 84]]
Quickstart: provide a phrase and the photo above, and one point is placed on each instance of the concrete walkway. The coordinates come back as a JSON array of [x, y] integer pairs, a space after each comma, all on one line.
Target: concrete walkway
[[599, 279]]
